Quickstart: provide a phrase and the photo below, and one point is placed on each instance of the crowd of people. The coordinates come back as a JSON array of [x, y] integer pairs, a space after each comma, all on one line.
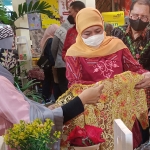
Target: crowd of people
[[82, 52], [89, 55]]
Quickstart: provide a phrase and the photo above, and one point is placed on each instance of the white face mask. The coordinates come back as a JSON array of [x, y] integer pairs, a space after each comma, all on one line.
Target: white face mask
[[94, 40]]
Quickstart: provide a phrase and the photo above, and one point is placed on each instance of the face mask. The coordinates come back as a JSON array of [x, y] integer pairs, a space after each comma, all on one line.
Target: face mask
[[94, 40], [71, 19], [138, 25]]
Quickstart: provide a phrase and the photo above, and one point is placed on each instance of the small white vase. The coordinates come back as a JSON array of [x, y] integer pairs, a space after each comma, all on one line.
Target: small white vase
[[93, 147]]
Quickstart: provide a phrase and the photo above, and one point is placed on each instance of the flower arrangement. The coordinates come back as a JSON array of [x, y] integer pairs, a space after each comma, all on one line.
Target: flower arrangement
[[87, 136], [31, 136]]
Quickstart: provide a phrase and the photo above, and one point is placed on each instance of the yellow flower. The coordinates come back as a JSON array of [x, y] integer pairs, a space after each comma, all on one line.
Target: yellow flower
[[21, 137], [57, 134], [6, 139], [41, 126], [35, 134], [16, 143], [24, 134]]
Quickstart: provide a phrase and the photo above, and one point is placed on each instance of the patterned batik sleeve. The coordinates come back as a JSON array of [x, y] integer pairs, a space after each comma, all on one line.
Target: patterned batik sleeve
[[130, 64], [73, 70]]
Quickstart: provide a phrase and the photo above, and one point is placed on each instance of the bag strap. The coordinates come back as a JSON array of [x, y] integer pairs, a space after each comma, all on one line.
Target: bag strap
[[42, 54]]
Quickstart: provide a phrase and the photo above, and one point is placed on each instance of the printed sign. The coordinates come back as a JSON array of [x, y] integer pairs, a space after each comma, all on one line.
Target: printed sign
[[34, 20], [114, 18]]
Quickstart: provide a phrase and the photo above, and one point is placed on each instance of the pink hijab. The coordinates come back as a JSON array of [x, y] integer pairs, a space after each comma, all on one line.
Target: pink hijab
[[49, 33]]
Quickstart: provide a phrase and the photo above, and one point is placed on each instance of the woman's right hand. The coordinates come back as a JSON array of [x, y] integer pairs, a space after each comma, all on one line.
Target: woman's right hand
[[92, 94], [88, 96]]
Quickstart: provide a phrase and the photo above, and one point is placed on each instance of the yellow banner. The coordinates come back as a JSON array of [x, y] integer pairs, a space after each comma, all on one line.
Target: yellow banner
[[114, 18], [46, 21]]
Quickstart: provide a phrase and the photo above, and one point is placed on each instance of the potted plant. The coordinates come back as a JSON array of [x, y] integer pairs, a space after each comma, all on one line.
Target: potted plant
[[87, 138], [27, 88], [31, 136], [10, 18]]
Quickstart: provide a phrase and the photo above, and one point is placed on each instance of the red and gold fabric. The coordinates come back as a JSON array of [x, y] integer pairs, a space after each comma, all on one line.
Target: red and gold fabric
[[119, 99]]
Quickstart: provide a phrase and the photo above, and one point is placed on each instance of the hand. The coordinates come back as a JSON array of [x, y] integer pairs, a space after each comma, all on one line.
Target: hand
[[91, 95], [51, 106], [145, 82]]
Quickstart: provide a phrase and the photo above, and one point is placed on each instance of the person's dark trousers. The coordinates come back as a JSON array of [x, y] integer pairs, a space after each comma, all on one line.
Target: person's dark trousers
[[56, 91], [63, 82], [145, 134], [47, 83]]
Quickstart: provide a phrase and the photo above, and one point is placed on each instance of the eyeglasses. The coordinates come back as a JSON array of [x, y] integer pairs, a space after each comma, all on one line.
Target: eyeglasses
[[136, 16]]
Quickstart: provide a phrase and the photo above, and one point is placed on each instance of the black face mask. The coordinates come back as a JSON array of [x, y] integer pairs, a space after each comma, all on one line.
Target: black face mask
[[138, 25], [71, 19]]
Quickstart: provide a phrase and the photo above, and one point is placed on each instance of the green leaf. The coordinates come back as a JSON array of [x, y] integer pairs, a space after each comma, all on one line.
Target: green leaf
[[29, 6], [4, 15], [20, 10], [17, 85], [14, 15], [44, 5], [24, 8], [17, 66], [35, 96], [46, 12], [35, 6], [28, 85], [38, 7], [16, 79]]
